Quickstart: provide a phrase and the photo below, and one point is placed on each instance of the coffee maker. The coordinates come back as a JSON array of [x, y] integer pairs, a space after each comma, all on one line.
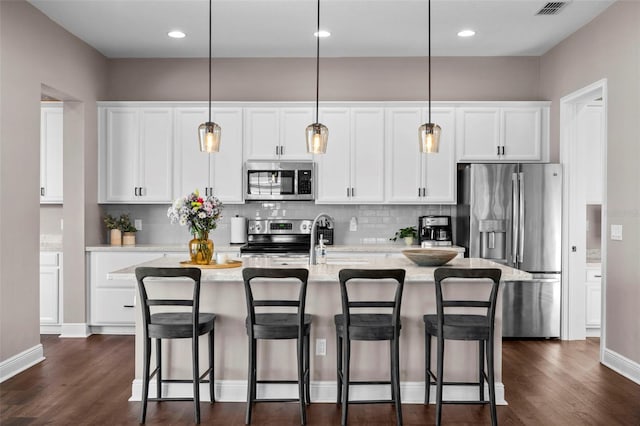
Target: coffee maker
[[434, 231]]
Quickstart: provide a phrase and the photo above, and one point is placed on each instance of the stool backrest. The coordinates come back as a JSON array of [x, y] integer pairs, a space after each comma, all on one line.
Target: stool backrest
[[144, 272], [372, 274], [299, 274], [442, 274]]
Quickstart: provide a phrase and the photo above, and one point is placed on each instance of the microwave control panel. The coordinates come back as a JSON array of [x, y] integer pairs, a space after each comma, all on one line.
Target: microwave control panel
[[304, 181]]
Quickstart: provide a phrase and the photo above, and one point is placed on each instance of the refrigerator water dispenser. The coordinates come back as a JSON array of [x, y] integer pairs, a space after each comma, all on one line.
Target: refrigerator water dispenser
[[493, 239]]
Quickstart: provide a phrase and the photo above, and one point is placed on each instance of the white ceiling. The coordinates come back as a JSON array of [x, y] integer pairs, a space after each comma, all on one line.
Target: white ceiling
[[284, 28]]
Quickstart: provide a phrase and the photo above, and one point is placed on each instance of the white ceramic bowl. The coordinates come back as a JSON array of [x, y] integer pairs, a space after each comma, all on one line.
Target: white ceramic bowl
[[429, 257]]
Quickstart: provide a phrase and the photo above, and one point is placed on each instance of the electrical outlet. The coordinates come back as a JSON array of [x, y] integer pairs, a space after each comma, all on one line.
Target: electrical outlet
[[321, 347], [616, 232], [138, 224]]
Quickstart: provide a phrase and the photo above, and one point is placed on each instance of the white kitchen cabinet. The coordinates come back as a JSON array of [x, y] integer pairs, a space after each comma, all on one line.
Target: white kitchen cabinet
[[352, 170], [591, 134], [593, 300], [136, 155], [277, 133], [502, 133], [112, 302], [413, 177], [220, 173], [51, 142], [50, 291]]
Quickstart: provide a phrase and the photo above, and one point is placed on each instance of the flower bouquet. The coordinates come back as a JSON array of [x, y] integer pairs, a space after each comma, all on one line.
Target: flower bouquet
[[201, 216]]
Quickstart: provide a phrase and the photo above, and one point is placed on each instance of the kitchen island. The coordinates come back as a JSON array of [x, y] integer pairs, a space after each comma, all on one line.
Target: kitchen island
[[223, 293]]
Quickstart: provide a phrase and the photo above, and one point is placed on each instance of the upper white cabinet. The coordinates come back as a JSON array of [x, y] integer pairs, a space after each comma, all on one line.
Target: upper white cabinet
[[352, 170], [591, 134], [277, 133], [51, 152], [213, 174], [413, 177], [503, 133], [136, 155]]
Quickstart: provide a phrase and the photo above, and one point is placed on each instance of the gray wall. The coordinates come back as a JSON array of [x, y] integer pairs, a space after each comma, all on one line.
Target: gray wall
[[609, 47], [36, 52]]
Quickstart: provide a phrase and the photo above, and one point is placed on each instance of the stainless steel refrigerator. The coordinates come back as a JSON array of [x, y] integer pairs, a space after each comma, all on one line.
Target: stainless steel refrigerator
[[512, 214]]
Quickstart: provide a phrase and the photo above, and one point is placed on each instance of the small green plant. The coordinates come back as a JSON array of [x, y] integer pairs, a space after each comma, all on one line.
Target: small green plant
[[111, 222], [123, 223], [410, 231]]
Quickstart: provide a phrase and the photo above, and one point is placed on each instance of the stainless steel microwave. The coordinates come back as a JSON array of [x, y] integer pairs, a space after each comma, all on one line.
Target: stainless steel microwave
[[279, 180]]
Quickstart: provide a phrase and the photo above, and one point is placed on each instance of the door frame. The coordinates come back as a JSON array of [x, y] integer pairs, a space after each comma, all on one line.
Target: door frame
[[573, 292]]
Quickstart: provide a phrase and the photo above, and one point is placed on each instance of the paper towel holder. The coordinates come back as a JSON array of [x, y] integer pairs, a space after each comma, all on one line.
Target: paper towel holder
[[238, 230]]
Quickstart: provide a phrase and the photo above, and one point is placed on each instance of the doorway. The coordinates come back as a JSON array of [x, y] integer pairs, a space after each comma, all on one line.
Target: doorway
[[583, 148]]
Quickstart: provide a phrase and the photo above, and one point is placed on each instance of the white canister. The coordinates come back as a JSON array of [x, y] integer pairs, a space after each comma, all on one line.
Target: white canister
[[238, 230]]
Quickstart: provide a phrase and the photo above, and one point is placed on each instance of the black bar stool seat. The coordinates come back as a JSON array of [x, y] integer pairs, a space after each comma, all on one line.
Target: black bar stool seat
[[367, 326], [174, 325], [278, 325], [459, 327]]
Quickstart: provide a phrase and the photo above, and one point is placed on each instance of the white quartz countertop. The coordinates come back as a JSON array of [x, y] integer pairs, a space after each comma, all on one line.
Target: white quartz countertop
[[329, 271], [364, 248]]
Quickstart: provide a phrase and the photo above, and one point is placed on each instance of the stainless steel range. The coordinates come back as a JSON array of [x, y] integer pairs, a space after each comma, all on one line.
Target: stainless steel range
[[278, 237]]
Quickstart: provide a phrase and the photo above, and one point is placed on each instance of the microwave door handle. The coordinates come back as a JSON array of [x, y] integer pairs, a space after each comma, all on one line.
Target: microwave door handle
[[514, 217], [521, 219]]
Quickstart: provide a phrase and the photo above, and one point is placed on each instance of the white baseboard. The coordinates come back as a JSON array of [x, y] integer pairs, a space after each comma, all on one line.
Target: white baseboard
[[113, 329], [50, 329], [593, 332], [20, 362], [622, 365], [75, 330], [236, 391]]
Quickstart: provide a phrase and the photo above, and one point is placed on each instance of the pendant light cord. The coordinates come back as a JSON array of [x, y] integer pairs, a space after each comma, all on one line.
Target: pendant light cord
[[317, 62], [210, 1], [429, 31]]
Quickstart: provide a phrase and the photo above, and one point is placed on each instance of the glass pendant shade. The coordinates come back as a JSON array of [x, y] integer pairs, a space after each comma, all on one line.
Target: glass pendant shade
[[209, 135], [317, 136], [429, 138]]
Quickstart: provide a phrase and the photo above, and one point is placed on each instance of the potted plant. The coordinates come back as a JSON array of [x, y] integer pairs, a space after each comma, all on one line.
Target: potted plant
[[113, 224], [407, 234], [128, 230]]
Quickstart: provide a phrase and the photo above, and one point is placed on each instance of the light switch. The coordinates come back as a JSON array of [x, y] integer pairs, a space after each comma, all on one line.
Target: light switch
[[616, 232]]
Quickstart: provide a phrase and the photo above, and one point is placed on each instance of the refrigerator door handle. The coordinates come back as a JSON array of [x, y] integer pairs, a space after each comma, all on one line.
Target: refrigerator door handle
[[514, 218], [521, 220]]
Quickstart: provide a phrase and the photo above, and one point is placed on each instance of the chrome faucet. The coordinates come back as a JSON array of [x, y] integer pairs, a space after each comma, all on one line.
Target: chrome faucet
[[314, 226]]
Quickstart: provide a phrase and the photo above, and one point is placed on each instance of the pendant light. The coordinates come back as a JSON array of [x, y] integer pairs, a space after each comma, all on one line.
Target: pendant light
[[209, 133], [429, 133], [317, 134]]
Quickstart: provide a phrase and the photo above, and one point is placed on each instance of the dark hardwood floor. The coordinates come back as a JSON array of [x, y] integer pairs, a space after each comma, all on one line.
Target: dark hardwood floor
[[88, 382]]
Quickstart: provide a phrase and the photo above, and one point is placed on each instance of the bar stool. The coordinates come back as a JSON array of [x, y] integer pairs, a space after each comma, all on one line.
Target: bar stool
[[368, 327], [174, 325], [278, 325], [462, 327]]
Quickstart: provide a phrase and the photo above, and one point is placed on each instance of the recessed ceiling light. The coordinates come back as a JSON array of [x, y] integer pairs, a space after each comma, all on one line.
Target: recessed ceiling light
[[176, 34], [322, 34], [466, 33]]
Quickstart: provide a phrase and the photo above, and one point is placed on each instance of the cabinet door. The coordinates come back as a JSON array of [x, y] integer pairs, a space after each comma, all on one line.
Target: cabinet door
[[226, 178], [51, 154], [439, 169], [593, 308], [403, 162], [293, 122], [49, 293], [155, 153], [521, 134], [262, 136], [367, 155], [121, 168], [591, 134], [191, 165], [333, 168], [478, 134]]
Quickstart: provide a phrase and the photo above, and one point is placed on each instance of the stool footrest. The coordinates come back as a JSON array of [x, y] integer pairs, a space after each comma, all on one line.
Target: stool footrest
[[456, 383], [363, 382], [371, 401], [466, 402], [182, 381], [277, 381], [277, 400], [169, 399]]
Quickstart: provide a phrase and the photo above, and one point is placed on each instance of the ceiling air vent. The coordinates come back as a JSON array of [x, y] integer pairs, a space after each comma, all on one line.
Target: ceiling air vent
[[552, 8]]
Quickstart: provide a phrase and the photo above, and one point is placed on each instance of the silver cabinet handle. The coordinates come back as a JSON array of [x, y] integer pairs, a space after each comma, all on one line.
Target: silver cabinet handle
[[135, 191], [281, 150], [42, 191], [419, 193], [502, 149], [127, 306], [424, 192], [498, 149], [348, 193], [277, 150], [353, 191], [597, 276]]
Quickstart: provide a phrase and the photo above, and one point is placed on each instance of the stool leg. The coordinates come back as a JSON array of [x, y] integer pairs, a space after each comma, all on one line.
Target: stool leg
[[212, 390], [492, 384], [339, 367], [159, 367], [251, 377], [481, 347], [145, 378], [392, 372], [427, 367], [439, 380], [301, 387], [307, 369], [346, 353], [396, 378], [196, 377]]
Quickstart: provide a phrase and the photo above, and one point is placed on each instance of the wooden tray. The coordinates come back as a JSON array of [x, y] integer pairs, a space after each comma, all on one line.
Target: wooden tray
[[214, 265]]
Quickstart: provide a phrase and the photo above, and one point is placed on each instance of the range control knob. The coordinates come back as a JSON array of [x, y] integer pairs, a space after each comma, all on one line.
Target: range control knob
[[258, 227]]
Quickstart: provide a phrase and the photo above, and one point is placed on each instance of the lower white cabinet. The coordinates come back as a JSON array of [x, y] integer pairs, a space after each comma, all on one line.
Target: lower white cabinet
[[50, 290], [593, 297]]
